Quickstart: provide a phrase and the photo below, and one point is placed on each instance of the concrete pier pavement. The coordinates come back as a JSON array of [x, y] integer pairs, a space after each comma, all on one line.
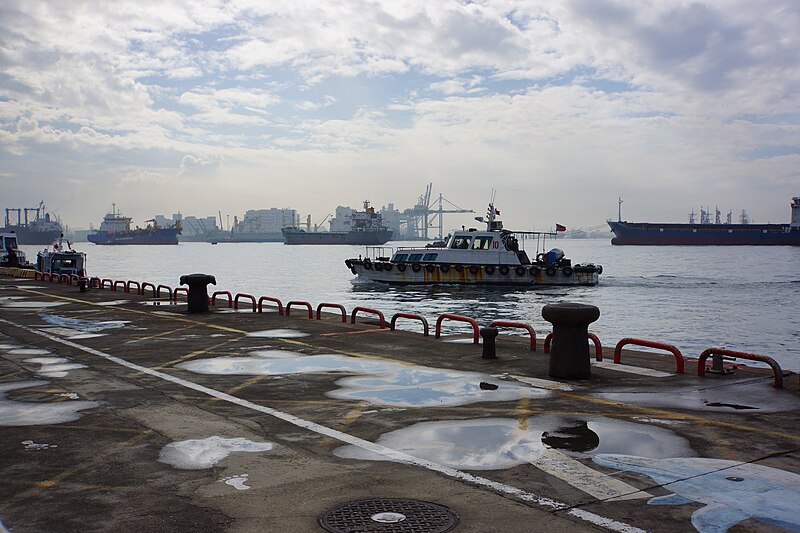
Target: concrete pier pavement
[[121, 412]]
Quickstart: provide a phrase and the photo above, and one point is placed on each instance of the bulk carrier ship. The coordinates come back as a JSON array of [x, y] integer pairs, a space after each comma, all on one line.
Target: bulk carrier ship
[[366, 228], [43, 228], [707, 233], [116, 229]]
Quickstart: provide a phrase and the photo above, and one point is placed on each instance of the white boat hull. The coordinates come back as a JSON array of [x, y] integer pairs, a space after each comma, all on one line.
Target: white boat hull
[[523, 276]]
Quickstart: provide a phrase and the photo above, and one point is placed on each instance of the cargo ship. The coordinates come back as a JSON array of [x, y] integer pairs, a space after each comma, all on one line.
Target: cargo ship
[[42, 228], [707, 233], [116, 229], [366, 228]]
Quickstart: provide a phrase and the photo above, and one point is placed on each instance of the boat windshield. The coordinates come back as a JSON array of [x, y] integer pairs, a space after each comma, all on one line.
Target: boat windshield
[[482, 243], [11, 243], [461, 242]]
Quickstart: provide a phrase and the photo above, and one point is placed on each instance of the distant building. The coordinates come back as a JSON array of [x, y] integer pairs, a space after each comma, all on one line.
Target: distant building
[[342, 220], [391, 219], [198, 226], [266, 220]]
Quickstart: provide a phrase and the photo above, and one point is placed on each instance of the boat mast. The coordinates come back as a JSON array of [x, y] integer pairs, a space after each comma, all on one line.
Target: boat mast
[[619, 209]]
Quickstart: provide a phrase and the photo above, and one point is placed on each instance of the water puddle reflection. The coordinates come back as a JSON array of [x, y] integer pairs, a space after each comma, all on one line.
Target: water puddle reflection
[[20, 413], [501, 443], [196, 454], [54, 367], [381, 382], [278, 333]]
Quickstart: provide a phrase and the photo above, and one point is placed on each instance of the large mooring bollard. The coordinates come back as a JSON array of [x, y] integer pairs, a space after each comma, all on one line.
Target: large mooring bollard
[[197, 298], [569, 354], [489, 348]]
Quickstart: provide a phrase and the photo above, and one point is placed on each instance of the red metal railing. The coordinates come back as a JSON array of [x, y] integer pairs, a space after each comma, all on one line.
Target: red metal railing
[[220, 293], [165, 287], [95, 282], [138, 287], [422, 319], [298, 302], [334, 306], [776, 369], [176, 290], [508, 324], [367, 310], [598, 348], [74, 277], [243, 295], [103, 284], [650, 344], [64, 278], [118, 283], [269, 299], [458, 318], [146, 284], [38, 275]]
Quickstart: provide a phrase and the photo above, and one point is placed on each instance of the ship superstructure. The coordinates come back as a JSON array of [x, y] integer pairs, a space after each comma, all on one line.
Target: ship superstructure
[[33, 225], [116, 229]]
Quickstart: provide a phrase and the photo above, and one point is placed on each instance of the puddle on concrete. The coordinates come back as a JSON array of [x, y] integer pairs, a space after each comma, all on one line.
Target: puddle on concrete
[[36, 446], [278, 333], [460, 340], [19, 413], [500, 443], [196, 454], [239, 482], [114, 302], [382, 382], [28, 351], [7, 346], [727, 397], [30, 304], [729, 492], [54, 367], [79, 324], [159, 302]]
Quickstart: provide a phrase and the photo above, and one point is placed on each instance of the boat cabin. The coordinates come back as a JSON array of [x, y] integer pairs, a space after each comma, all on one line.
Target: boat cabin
[[10, 254], [61, 262], [469, 247]]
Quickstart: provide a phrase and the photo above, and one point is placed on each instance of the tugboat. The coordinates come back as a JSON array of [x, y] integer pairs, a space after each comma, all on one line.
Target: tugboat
[[490, 257], [10, 254], [116, 229], [61, 260]]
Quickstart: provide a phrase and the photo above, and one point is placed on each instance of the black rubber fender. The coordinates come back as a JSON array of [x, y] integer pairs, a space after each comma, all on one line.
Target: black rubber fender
[[489, 269], [474, 269], [520, 271], [550, 271], [416, 267], [367, 264], [504, 270], [401, 267], [567, 271]]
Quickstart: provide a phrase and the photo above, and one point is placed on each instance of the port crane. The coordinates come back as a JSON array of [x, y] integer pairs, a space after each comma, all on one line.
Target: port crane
[[426, 215]]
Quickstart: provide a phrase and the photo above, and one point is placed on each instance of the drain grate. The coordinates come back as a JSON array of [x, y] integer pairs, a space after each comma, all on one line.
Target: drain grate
[[388, 515]]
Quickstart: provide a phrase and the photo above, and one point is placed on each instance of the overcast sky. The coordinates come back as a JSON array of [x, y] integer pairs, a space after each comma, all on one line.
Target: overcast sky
[[561, 106]]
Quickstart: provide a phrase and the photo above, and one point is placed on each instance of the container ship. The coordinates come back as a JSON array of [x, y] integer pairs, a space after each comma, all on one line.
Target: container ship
[[40, 228], [707, 233], [116, 229], [366, 228]]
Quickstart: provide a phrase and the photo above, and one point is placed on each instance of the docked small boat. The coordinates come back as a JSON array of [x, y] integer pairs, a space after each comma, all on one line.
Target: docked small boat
[[494, 256], [10, 254], [61, 259]]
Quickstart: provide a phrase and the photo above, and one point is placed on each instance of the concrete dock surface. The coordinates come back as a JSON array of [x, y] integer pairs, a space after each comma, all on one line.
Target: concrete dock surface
[[121, 412]]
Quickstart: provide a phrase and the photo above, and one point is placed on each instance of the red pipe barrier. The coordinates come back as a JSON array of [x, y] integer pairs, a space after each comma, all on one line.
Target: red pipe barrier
[[74, 277], [242, 295], [598, 348], [110, 284], [304, 304], [95, 282], [168, 289], [146, 284], [124, 286], [506, 323], [64, 278], [269, 299], [38, 275], [650, 344], [138, 287], [412, 316], [176, 290], [776, 369], [458, 318], [334, 306], [219, 293], [367, 310]]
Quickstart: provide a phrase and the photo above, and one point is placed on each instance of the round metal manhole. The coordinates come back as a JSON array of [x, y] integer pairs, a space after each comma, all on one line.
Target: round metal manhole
[[388, 515]]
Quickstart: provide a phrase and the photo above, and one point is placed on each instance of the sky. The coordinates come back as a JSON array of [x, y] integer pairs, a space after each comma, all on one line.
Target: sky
[[560, 107]]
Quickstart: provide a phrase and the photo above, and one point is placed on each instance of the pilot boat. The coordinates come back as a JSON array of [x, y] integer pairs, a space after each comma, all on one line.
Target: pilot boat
[[10, 254], [61, 260], [494, 256]]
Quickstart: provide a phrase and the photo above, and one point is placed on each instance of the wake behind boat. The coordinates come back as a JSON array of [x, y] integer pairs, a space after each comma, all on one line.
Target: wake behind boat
[[490, 257]]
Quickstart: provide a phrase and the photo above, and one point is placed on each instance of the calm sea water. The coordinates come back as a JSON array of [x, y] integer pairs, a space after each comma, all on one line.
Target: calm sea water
[[741, 298]]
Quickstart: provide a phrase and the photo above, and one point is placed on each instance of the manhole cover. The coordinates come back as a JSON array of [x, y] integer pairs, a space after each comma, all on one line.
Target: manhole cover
[[388, 515]]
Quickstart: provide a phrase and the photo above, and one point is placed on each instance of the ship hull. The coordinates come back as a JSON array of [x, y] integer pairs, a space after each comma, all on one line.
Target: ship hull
[[28, 236], [653, 234], [364, 238], [161, 236]]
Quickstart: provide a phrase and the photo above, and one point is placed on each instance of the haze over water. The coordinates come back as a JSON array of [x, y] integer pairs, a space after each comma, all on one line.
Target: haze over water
[[741, 298]]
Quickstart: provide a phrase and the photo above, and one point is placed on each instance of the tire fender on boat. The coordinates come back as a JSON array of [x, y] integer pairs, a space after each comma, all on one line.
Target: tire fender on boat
[[387, 267], [416, 267], [401, 267], [504, 270], [430, 268], [489, 269], [520, 271], [534, 270], [474, 269], [367, 264], [378, 266], [444, 268], [550, 271], [599, 269], [567, 271]]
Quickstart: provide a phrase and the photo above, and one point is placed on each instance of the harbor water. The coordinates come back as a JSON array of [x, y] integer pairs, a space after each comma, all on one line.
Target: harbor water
[[739, 297]]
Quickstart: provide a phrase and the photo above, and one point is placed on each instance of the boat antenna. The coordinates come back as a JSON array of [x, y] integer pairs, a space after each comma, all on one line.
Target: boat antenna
[[619, 209]]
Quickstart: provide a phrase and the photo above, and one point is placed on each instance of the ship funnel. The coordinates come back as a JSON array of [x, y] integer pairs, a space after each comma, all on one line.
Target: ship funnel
[[795, 212]]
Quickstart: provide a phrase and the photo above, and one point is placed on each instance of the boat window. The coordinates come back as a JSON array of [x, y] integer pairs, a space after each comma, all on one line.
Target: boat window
[[461, 242], [414, 258], [399, 258], [482, 243], [430, 257], [11, 243]]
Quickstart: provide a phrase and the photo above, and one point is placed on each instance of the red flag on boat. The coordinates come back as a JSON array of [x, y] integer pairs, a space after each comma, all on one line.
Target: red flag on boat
[[559, 227]]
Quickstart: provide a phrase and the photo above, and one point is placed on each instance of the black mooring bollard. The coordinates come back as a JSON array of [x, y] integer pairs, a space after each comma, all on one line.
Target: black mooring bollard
[[569, 351], [197, 298], [83, 286], [489, 349]]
